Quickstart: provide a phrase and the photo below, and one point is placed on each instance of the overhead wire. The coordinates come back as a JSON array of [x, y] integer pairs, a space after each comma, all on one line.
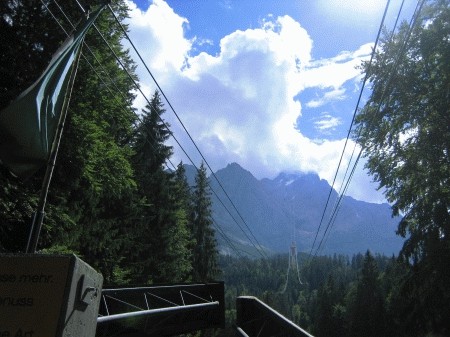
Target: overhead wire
[[350, 129], [227, 240], [412, 24], [345, 184], [262, 252], [227, 193], [92, 54], [93, 68], [340, 192], [105, 72], [336, 209]]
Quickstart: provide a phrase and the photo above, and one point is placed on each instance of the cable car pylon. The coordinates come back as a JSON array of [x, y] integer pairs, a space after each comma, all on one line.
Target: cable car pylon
[[292, 264]]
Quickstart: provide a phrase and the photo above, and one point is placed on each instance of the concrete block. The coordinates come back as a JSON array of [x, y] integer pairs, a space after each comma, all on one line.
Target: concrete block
[[48, 295]]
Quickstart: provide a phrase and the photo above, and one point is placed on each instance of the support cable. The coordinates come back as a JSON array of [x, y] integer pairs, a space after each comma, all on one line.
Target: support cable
[[230, 244], [85, 45], [287, 274], [118, 91], [351, 125], [354, 147], [188, 134], [412, 24], [147, 100], [336, 209], [104, 71]]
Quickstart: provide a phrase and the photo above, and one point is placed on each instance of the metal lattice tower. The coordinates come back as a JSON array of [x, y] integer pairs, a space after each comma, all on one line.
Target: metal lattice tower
[[292, 264]]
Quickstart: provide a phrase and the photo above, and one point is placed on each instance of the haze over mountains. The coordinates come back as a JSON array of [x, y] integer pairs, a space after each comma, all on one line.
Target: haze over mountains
[[289, 208]]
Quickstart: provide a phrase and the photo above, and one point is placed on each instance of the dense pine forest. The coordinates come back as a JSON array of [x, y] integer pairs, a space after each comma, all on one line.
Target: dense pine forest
[[113, 200], [338, 295], [117, 200]]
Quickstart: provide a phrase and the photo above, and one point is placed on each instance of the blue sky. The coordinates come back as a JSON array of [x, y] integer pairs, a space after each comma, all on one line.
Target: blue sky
[[271, 85]]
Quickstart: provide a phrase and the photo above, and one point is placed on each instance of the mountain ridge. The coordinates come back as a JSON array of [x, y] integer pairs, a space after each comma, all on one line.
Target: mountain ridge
[[289, 208]]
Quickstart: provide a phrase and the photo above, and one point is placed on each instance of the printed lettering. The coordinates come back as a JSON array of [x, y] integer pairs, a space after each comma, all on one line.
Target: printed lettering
[[13, 302], [7, 278], [21, 333], [36, 278]]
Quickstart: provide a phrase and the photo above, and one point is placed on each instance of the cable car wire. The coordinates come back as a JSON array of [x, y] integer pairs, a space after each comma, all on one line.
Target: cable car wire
[[227, 240]]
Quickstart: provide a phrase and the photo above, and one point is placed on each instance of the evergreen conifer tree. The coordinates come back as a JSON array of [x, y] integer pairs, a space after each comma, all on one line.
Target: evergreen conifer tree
[[153, 182], [161, 250], [205, 251], [367, 311], [184, 197], [179, 238]]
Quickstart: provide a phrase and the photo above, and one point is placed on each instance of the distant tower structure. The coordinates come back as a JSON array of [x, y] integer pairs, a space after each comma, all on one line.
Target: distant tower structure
[[293, 256], [293, 264]]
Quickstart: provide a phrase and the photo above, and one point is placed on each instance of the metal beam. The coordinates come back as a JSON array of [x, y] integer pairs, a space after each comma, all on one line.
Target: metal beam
[[241, 332], [161, 310], [150, 313], [255, 318]]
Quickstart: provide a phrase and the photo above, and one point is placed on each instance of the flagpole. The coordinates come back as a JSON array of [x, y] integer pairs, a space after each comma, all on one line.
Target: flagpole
[[38, 217]]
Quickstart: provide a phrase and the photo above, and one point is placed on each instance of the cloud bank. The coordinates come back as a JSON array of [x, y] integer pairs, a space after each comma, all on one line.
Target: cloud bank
[[242, 103]]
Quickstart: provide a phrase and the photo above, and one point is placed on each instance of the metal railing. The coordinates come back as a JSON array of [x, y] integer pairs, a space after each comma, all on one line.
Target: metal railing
[[161, 310], [178, 309], [255, 318]]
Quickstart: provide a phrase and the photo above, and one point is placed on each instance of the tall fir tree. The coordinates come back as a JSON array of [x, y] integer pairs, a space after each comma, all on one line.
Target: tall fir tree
[[367, 311], [183, 189], [177, 265], [205, 252], [329, 311], [184, 202], [153, 181], [161, 251]]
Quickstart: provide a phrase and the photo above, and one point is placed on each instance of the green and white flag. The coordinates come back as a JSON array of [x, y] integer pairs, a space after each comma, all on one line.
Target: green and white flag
[[28, 125]]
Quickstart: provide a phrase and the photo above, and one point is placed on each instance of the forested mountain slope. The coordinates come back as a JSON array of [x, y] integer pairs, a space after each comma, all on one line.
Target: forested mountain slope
[[273, 208]]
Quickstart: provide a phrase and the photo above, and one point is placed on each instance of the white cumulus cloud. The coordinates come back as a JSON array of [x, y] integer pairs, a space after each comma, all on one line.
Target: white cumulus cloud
[[238, 105]]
